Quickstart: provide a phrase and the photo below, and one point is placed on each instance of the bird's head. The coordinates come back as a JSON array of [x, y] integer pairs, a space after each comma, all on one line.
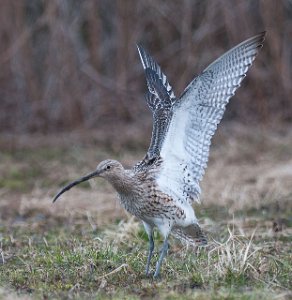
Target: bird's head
[[108, 169]]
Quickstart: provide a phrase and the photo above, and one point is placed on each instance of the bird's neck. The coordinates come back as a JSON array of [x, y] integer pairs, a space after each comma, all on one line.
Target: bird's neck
[[123, 183]]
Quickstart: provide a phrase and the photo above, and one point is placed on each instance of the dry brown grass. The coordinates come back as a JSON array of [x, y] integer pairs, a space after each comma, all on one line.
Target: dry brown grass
[[12, 295], [246, 170]]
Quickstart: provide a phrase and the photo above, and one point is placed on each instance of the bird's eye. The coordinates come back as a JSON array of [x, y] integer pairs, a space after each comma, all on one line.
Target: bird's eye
[[108, 167]]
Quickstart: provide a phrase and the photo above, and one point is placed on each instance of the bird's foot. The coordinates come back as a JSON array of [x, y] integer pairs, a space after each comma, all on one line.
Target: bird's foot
[[147, 273], [152, 275], [156, 276]]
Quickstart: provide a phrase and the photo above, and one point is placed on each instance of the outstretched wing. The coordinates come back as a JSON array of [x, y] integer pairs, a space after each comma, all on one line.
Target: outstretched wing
[[160, 98], [195, 118]]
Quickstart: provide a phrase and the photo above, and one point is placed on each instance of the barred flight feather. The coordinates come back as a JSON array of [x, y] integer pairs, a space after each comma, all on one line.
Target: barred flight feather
[[195, 118]]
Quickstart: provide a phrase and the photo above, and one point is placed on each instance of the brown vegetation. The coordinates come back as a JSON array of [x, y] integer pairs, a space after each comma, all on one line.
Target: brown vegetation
[[68, 64], [248, 170]]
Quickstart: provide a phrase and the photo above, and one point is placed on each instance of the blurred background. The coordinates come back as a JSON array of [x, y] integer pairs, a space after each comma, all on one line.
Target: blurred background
[[72, 93], [74, 65]]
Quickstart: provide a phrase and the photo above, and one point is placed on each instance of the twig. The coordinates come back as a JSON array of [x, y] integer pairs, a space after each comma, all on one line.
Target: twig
[[114, 271]]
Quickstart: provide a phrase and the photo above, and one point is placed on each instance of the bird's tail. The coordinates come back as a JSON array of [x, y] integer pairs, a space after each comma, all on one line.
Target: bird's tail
[[191, 235]]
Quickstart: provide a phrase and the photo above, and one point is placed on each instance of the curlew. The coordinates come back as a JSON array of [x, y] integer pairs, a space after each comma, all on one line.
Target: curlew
[[160, 189]]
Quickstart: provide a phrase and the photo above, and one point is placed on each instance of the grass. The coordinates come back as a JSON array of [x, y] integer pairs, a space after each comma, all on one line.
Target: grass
[[86, 247], [80, 262]]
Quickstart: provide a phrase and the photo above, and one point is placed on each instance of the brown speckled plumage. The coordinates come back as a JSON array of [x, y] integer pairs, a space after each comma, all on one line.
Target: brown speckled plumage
[[160, 189]]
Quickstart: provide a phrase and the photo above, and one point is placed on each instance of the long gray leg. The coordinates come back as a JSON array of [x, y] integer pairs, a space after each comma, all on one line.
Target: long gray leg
[[161, 257], [149, 231]]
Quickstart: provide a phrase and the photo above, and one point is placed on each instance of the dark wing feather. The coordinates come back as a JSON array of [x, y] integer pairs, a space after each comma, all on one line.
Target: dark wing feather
[[160, 99]]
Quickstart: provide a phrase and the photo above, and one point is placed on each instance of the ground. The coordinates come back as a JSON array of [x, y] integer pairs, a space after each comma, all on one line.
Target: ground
[[85, 246]]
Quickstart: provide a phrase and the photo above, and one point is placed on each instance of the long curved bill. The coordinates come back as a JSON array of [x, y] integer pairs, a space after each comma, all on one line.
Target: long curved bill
[[70, 185]]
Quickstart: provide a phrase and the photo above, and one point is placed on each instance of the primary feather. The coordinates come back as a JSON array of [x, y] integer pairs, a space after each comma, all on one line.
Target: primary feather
[[196, 114], [160, 99]]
